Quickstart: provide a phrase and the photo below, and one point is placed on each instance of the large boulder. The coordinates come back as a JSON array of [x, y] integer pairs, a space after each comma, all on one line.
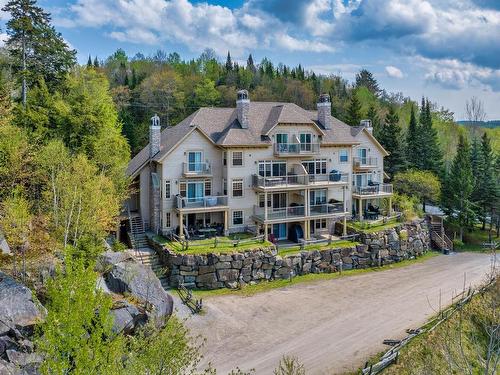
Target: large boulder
[[4, 246], [126, 317], [124, 275], [18, 309]]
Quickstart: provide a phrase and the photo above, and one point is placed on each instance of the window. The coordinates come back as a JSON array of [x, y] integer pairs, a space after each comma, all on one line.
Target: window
[[168, 222], [237, 217], [317, 166], [182, 188], [224, 158], [261, 200], [167, 189], [194, 161], [237, 158], [320, 224], [305, 141], [272, 168], [238, 187], [344, 156], [208, 188], [317, 197], [282, 138], [224, 186]]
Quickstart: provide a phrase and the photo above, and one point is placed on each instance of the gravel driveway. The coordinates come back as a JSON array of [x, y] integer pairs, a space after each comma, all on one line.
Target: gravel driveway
[[333, 326]]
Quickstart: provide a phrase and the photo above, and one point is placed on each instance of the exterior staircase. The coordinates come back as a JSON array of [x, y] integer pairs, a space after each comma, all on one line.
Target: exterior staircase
[[142, 251], [438, 236]]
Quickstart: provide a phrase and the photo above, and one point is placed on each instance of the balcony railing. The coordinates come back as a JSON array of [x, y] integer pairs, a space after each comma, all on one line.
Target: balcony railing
[[298, 180], [201, 202], [374, 189], [196, 168], [298, 212], [360, 162], [292, 149], [325, 209]]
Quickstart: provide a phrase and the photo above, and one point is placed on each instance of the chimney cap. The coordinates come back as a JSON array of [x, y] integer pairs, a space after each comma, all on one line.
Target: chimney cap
[[324, 98], [367, 123], [155, 120], [242, 95]]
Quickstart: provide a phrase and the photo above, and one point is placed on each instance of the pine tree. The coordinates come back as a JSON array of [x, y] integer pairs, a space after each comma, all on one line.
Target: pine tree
[[353, 115], [457, 192], [229, 62], [390, 138], [366, 79], [250, 64], [432, 157], [413, 143], [96, 62], [372, 115], [36, 49], [89, 62]]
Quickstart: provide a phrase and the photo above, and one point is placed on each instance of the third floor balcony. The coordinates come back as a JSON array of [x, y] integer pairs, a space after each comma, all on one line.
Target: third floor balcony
[[292, 181], [196, 169], [365, 162], [296, 149]]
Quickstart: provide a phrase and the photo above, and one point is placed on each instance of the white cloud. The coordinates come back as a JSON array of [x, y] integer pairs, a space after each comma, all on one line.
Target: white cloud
[[3, 38], [3, 15], [347, 71], [394, 72], [294, 44], [456, 75]]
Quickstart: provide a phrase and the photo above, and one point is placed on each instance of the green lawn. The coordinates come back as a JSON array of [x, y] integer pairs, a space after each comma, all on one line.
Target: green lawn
[[265, 286], [472, 240], [334, 245], [366, 227], [224, 244]]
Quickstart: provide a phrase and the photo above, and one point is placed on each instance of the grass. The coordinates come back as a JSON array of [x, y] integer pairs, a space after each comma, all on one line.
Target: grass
[[225, 244], [265, 286], [472, 240], [366, 227], [334, 245]]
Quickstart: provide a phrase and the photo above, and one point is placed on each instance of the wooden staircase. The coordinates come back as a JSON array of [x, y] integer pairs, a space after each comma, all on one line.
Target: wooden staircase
[[142, 251], [438, 236]]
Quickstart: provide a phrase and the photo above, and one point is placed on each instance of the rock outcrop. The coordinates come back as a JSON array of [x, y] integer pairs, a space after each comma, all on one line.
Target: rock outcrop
[[19, 312]]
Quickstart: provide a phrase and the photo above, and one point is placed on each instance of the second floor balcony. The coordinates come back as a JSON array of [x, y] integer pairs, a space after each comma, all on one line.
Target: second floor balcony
[[206, 203], [375, 189], [296, 149], [292, 181], [298, 212], [196, 169]]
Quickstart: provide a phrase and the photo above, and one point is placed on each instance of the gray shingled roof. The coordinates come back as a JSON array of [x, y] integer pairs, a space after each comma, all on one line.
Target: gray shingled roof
[[222, 127]]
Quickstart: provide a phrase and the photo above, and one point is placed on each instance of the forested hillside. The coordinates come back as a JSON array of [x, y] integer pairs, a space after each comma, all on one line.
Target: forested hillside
[[174, 88]]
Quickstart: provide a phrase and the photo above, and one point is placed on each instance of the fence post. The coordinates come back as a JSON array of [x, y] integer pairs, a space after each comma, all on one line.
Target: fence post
[[379, 259], [340, 264]]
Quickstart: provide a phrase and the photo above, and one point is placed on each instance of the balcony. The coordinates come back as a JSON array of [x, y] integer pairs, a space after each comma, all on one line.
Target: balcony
[[298, 181], [372, 190], [196, 169], [201, 204], [364, 162], [297, 212], [296, 149]]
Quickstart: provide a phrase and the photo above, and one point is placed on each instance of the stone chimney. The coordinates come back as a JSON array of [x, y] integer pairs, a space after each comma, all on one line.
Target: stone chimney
[[367, 124], [154, 136], [325, 111], [243, 108]]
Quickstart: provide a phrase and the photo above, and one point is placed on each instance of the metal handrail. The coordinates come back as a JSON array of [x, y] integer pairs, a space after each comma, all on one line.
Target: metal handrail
[[201, 202], [298, 179], [296, 148], [366, 161], [374, 189], [196, 168]]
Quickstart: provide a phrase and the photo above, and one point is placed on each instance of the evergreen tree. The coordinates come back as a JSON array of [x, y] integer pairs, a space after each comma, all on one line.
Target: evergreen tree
[[229, 62], [390, 138], [89, 62], [96, 62], [432, 158], [250, 64], [366, 79], [413, 143], [457, 192], [372, 115], [36, 49], [353, 115]]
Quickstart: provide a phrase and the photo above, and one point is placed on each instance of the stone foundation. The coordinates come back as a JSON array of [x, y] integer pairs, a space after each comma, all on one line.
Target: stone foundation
[[212, 271]]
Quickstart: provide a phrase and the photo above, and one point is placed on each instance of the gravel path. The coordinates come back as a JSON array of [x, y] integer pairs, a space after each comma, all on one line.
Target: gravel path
[[333, 326]]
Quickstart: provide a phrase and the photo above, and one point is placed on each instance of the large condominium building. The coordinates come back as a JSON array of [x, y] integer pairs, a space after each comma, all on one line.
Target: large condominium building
[[273, 167]]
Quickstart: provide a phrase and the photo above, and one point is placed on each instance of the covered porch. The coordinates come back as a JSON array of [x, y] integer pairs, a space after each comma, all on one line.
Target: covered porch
[[372, 208]]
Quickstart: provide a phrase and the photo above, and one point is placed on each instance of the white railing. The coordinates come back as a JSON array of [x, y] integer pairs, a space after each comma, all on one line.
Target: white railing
[[327, 208], [365, 162], [201, 202], [372, 189], [296, 148], [299, 180], [196, 168], [294, 212]]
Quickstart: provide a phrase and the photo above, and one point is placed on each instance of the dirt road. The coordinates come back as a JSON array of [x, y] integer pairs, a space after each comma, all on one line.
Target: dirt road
[[333, 326]]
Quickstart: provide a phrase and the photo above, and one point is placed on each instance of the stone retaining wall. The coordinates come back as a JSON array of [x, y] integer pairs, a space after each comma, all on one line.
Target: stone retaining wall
[[212, 271]]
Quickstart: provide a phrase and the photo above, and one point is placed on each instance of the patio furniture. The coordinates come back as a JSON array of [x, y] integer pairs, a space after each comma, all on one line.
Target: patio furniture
[[208, 232], [335, 175]]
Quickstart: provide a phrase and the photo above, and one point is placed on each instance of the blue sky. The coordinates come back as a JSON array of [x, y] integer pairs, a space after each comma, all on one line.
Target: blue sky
[[448, 50]]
